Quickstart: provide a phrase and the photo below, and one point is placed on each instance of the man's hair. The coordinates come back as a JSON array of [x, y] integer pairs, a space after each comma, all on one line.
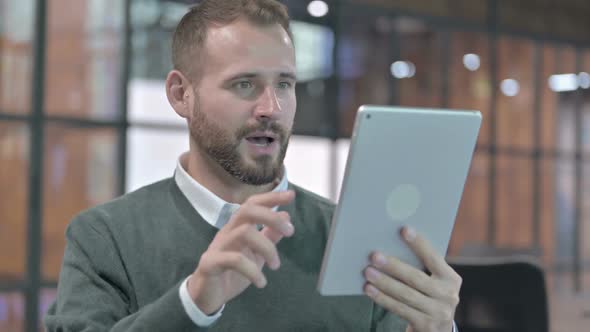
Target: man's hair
[[191, 33]]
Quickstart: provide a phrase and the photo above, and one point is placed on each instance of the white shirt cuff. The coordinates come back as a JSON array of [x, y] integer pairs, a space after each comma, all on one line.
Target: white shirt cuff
[[455, 328], [195, 314]]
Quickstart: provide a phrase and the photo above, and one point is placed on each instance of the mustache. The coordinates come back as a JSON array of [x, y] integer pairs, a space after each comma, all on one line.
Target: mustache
[[273, 127]]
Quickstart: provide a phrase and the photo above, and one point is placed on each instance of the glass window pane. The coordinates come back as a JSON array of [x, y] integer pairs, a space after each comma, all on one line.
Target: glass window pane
[[515, 93], [418, 69], [12, 312], [514, 199], [472, 217], [153, 23], [365, 75], [159, 149], [470, 77], [80, 171], [566, 102], [148, 103], [84, 58], [314, 44], [308, 163], [548, 209], [584, 235], [46, 298], [314, 47], [548, 99], [14, 185], [584, 82], [16, 49], [314, 117], [463, 10], [564, 228]]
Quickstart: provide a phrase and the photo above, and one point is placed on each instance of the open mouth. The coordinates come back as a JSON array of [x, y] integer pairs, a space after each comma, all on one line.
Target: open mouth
[[261, 140]]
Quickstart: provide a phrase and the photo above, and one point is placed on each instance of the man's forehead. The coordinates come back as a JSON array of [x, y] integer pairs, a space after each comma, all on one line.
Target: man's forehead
[[242, 36], [245, 48]]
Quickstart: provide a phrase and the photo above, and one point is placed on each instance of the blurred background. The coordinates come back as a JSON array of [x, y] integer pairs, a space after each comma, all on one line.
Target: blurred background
[[84, 118]]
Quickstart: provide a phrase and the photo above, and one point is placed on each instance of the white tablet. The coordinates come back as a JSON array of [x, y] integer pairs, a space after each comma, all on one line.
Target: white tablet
[[406, 166]]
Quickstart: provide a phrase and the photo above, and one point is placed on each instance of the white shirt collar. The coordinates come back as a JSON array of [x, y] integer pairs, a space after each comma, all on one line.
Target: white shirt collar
[[211, 207]]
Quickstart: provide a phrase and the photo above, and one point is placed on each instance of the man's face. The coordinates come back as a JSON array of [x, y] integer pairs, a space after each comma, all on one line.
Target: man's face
[[245, 100]]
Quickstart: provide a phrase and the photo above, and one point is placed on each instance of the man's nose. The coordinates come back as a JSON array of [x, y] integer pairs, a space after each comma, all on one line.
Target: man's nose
[[268, 105]]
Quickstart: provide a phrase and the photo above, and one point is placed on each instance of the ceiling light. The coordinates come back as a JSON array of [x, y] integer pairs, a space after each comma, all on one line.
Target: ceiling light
[[318, 8], [563, 82], [403, 69], [510, 87], [584, 80], [471, 61]]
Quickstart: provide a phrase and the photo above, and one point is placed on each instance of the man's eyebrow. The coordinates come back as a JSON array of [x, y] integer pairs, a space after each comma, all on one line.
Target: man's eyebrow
[[242, 75], [289, 75], [253, 75]]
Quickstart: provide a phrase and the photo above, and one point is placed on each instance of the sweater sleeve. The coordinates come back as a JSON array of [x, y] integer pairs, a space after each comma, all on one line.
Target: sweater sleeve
[[384, 321], [95, 294]]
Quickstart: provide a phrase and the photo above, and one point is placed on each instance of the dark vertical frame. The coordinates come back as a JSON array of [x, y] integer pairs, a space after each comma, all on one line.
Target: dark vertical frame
[[493, 9], [35, 204], [578, 183], [446, 53], [556, 161], [394, 97], [333, 102], [537, 184], [127, 47]]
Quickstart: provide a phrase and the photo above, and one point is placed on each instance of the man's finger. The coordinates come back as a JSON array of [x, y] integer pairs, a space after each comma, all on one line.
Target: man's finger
[[411, 315], [400, 291], [272, 198], [258, 215], [219, 261], [248, 237], [271, 234], [432, 260], [405, 273]]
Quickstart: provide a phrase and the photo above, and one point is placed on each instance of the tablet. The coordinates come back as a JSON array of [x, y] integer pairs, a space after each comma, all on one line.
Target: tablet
[[406, 166]]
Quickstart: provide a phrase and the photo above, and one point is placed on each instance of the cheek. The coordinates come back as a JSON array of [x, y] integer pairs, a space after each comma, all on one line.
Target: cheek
[[289, 107], [229, 122], [224, 113]]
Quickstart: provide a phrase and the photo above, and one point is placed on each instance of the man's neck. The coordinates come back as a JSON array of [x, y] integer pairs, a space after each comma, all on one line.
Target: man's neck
[[213, 177]]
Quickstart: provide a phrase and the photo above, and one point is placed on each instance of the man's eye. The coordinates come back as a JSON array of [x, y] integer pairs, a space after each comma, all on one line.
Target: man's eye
[[243, 85], [285, 85]]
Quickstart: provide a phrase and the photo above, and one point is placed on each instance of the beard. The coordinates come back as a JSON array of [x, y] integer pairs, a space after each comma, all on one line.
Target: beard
[[223, 148]]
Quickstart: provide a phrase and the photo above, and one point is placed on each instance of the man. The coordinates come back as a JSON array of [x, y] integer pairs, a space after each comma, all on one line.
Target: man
[[182, 254]]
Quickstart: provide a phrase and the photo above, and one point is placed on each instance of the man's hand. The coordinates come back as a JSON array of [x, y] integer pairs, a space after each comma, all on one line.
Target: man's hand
[[427, 302], [238, 252]]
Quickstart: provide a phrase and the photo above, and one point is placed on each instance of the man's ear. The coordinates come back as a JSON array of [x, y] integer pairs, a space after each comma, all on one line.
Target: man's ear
[[180, 93]]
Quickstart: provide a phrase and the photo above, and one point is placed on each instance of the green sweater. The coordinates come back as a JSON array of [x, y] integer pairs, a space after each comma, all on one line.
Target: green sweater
[[125, 260]]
